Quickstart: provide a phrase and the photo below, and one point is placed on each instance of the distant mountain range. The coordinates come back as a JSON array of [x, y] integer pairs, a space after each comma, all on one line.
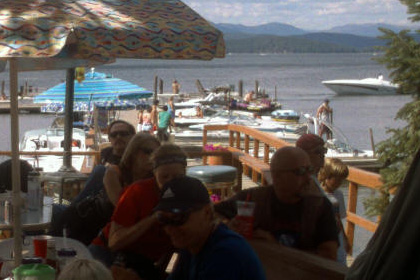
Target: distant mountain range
[[280, 37]]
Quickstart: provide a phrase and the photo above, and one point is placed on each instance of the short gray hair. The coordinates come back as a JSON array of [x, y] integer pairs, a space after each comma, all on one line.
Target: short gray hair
[[85, 269]]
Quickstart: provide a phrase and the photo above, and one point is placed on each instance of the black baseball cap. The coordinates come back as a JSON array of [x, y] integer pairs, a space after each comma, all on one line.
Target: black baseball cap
[[183, 194]]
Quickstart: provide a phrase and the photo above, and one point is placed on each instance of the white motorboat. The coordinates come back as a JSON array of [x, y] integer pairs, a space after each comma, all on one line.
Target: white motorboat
[[52, 140], [368, 86], [211, 97], [285, 131]]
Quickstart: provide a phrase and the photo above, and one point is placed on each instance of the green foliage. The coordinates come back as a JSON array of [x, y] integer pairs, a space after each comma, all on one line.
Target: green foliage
[[402, 57]]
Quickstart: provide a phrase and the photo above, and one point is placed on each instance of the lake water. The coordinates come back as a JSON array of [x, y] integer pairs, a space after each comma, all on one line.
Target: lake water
[[297, 78]]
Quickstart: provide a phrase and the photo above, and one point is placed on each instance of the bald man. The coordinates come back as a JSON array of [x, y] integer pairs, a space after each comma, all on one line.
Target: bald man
[[284, 213]]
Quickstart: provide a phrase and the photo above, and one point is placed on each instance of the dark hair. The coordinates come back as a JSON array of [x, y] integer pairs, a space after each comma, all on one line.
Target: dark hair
[[165, 108], [168, 153], [131, 128]]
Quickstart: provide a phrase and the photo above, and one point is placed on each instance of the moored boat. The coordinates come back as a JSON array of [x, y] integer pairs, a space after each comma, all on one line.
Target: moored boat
[[368, 86], [52, 140], [288, 116]]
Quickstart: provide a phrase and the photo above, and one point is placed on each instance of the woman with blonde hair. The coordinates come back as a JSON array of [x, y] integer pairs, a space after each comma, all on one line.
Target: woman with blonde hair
[[135, 165]]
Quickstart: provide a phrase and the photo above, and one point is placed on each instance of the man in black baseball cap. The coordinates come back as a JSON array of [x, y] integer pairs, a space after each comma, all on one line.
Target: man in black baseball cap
[[183, 195], [208, 248]]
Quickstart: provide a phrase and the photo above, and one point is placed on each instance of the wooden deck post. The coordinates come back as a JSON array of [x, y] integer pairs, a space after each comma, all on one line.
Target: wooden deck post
[[266, 153], [238, 140], [351, 208], [246, 144], [241, 88]]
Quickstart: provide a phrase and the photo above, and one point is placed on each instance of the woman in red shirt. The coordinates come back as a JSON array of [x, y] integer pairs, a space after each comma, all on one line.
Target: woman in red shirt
[[133, 229]]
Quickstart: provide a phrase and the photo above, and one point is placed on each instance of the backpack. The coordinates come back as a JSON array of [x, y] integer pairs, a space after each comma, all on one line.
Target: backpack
[[84, 219]]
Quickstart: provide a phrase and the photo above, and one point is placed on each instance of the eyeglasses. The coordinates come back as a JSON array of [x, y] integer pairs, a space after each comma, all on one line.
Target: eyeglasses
[[300, 171], [122, 133], [175, 220]]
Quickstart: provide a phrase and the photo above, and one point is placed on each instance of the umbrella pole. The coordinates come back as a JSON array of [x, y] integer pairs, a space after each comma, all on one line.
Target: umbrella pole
[[14, 135], [68, 123]]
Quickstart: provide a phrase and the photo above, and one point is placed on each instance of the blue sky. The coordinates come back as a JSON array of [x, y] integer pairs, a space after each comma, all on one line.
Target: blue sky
[[306, 14]]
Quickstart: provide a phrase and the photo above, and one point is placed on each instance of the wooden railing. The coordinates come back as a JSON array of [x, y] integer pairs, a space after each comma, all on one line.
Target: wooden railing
[[242, 138]]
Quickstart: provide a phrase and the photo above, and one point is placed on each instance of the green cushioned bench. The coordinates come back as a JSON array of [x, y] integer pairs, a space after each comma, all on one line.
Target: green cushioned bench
[[215, 177]]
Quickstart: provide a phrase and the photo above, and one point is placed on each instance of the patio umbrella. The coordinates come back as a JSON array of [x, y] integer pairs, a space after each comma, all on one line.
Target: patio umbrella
[[60, 34], [97, 89]]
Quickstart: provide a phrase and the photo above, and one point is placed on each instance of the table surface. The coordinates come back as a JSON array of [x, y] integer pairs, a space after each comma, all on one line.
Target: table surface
[[34, 220], [6, 248]]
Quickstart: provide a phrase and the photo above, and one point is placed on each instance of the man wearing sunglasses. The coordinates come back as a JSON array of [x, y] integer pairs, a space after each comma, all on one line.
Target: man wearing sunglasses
[[209, 250], [284, 212], [120, 133]]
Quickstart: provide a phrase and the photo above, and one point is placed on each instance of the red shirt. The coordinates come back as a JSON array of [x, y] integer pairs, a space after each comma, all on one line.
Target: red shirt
[[136, 203]]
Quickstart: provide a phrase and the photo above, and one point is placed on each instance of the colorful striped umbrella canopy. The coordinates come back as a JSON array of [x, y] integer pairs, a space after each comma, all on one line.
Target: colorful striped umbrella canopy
[[97, 87], [106, 29]]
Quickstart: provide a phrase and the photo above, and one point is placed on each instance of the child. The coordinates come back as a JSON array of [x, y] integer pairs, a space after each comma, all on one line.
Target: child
[[331, 176]]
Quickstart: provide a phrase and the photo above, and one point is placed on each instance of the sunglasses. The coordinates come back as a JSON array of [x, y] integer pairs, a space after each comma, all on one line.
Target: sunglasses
[[173, 220], [122, 133], [300, 171]]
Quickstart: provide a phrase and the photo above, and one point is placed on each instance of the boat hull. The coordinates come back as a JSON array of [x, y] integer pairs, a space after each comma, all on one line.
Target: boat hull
[[361, 87]]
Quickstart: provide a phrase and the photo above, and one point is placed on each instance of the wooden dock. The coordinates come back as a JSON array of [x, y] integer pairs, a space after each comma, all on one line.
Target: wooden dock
[[24, 108]]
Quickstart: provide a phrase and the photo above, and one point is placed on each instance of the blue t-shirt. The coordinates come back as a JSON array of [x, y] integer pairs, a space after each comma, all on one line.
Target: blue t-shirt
[[226, 255]]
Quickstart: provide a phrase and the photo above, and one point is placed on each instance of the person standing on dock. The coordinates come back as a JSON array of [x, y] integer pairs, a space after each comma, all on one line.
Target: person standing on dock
[[164, 123], [175, 87], [140, 119], [154, 115], [324, 115], [171, 110]]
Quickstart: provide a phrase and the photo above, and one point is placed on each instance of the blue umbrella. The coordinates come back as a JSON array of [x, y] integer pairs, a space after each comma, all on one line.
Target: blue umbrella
[[97, 88]]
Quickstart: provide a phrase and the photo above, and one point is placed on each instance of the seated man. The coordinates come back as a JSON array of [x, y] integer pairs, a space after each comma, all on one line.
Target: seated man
[[283, 213], [249, 96], [119, 134], [209, 250]]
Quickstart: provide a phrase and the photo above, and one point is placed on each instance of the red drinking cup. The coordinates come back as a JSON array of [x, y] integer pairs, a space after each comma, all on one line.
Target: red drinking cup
[[245, 218], [40, 245]]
